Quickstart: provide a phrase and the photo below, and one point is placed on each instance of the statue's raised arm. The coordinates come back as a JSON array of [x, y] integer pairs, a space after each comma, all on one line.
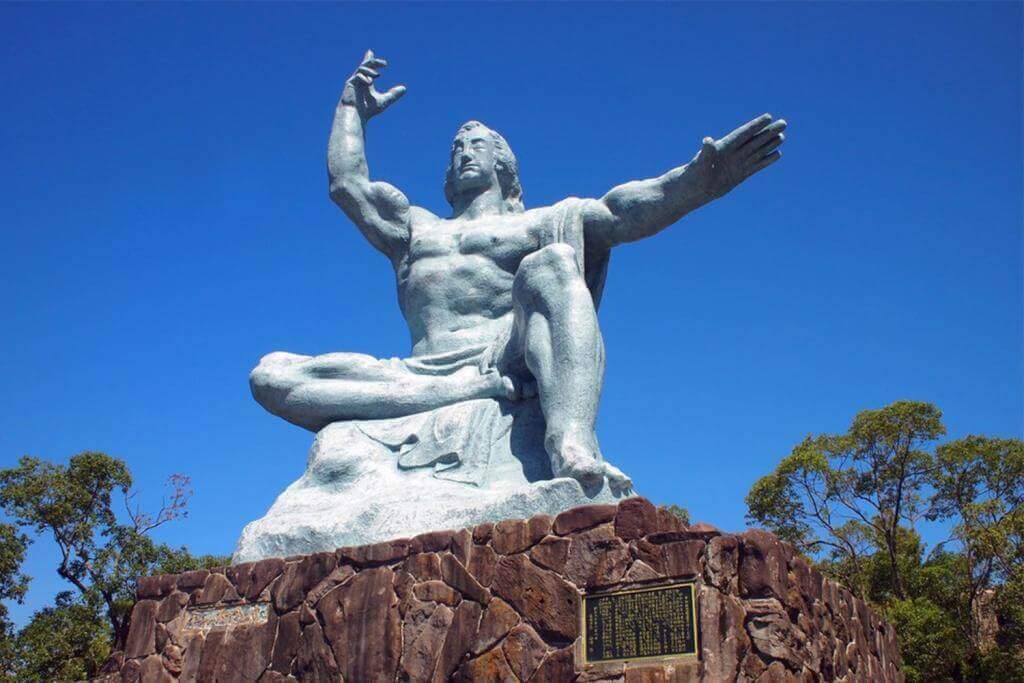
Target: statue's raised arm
[[379, 210], [642, 208]]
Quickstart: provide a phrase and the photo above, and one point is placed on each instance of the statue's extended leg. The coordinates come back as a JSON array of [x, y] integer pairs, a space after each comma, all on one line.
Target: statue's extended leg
[[557, 333], [314, 391]]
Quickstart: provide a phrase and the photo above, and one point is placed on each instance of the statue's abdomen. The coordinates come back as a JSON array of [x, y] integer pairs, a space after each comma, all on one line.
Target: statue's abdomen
[[454, 300]]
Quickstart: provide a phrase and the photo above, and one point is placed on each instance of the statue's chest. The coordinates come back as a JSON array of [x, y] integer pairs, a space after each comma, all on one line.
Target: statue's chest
[[504, 241], [432, 243]]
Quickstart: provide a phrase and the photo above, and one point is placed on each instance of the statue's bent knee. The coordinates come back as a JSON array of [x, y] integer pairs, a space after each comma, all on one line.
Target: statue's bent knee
[[549, 270], [272, 377]]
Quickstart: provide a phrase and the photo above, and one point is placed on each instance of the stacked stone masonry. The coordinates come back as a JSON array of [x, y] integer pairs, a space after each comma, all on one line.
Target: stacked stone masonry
[[500, 602]]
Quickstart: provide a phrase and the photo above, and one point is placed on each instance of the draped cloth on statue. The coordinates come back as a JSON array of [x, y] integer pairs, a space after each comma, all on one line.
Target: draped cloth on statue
[[457, 440]]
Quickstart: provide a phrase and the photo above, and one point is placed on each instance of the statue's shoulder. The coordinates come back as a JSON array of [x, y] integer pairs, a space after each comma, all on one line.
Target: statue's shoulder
[[575, 204], [420, 216], [569, 204]]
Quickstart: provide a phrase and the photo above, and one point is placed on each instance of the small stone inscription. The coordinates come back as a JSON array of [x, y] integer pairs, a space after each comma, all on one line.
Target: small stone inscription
[[206, 619], [643, 623]]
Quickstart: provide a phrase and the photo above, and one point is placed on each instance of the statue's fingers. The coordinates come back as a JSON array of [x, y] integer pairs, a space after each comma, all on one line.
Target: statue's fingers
[[392, 96], [367, 71], [362, 78], [747, 130], [771, 130], [764, 162], [368, 56], [375, 62], [766, 146]]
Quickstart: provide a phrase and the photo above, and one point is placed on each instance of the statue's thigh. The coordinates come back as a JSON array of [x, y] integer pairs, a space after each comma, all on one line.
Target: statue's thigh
[[512, 355], [354, 366]]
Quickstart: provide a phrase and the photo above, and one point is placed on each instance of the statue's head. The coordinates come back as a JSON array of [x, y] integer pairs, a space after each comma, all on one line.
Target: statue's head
[[479, 158]]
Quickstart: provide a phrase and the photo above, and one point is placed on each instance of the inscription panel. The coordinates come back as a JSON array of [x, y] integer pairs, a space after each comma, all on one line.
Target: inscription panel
[[205, 619], [644, 623]]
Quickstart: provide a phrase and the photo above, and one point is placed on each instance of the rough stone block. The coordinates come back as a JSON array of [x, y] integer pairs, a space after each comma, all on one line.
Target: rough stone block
[[449, 606], [635, 518], [583, 517]]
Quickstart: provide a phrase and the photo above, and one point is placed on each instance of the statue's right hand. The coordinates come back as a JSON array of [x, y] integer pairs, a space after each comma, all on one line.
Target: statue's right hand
[[360, 93]]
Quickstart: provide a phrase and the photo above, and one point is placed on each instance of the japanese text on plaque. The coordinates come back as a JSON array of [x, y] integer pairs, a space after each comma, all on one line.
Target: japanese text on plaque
[[652, 622]]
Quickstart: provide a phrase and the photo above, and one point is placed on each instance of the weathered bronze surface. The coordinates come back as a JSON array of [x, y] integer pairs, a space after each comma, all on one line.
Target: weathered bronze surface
[[645, 623]]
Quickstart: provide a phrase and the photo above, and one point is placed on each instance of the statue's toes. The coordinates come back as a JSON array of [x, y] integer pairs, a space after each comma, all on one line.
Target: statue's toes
[[509, 390], [497, 385], [617, 479], [521, 389], [586, 471]]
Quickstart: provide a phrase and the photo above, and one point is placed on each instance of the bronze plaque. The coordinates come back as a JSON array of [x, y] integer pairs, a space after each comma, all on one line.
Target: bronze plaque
[[645, 623]]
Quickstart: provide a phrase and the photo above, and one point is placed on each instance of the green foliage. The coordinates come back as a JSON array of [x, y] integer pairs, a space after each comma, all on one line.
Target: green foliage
[[680, 512], [851, 502], [1006, 661], [931, 646], [776, 501], [979, 483], [13, 585], [72, 503], [101, 553], [842, 494], [176, 561], [66, 642]]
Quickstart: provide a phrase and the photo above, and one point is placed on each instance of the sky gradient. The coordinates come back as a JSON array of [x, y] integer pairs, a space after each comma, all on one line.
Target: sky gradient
[[166, 222]]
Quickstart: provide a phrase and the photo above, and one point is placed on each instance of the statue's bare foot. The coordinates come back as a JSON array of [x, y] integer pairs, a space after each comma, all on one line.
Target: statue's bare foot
[[618, 482], [575, 454], [497, 385]]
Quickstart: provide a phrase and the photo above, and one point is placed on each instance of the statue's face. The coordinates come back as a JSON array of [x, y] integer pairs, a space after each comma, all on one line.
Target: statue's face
[[473, 160]]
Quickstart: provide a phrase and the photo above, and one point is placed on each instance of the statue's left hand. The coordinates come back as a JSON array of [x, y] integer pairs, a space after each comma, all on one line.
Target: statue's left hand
[[360, 93], [723, 164]]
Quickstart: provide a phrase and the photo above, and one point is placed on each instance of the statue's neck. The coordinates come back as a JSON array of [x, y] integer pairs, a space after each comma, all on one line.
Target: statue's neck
[[473, 204]]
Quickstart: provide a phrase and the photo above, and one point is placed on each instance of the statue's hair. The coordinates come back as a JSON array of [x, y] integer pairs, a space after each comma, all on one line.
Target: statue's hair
[[505, 166]]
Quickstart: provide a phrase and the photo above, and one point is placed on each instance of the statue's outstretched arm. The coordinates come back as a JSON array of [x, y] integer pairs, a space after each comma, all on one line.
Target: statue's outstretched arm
[[379, 210], [641, 208]]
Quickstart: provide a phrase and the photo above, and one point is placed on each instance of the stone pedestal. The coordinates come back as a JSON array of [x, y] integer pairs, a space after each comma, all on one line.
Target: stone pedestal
[[501, 602], [370, 481]]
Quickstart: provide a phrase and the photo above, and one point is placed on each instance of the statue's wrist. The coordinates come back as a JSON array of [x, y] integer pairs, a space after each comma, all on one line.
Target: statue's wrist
[[708, 192], [704, 187], [350, 108], [348, 99]]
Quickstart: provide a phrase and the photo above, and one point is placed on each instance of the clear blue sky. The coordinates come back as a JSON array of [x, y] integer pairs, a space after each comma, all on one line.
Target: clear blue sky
[[165, 222]]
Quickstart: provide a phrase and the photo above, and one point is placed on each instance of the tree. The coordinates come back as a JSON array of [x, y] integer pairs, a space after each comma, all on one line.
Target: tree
[[930, 644], [979, 486], [851, 502], [73, 638], [1005, 662], [835, 492], [13, 585], [66, 642], [100, 555]]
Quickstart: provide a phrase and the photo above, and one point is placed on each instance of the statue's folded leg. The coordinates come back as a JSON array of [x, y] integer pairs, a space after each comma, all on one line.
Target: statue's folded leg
[[556, 332], [314, 391]]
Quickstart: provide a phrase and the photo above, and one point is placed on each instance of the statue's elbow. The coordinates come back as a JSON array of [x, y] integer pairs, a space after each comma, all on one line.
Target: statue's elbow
[[342, 190], [336, 192]]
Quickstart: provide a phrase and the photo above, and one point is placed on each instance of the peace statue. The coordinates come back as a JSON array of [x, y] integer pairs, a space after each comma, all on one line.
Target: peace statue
[[501, 304]]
